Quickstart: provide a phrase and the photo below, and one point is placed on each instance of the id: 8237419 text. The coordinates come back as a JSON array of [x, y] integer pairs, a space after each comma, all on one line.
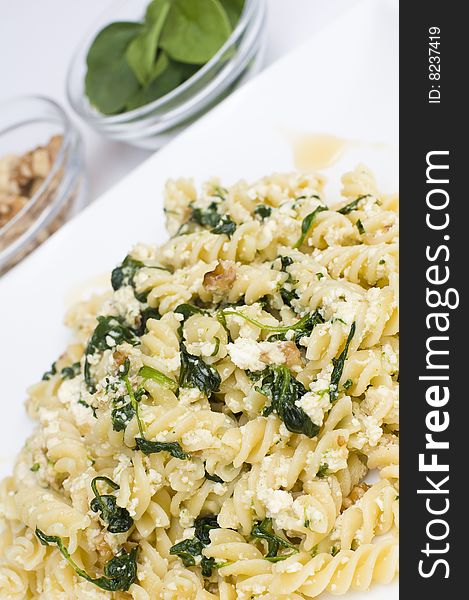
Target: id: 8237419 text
[[434, 65]]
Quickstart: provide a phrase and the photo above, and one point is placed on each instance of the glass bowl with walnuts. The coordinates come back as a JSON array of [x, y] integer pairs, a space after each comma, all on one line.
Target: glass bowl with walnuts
[[41, 174]]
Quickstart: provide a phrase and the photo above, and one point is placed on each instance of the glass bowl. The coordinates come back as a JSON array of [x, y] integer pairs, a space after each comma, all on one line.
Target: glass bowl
[[27, 123], [152, 125]]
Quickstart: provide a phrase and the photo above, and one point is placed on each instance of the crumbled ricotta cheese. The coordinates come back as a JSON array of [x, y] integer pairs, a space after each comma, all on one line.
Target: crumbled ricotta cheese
[[335, 458], [246, 354], [185, 518]]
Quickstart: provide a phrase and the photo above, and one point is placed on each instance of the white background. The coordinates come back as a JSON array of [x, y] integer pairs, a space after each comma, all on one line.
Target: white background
[[38, 38]]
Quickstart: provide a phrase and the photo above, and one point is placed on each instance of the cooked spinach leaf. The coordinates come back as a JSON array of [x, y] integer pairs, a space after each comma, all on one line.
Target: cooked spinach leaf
[[348, 384], [285, 261], [301, 328], [48, 374], [361, 229], [339, 364], [174, 448], [110, 331], [217, 346], [135, 397], [208, 217], [212, 219], [86, 405], [121, 416], [190, 549], [119, 573], [124, 274], [187, 310], [214, 478], [196, 373], [203, 526], [146, 313], [284, 391], [323, 470], [225, 225], [117, 518], [307, 223], [263, 530], [351, 206], [71, 371], [288, 295], [159, 377], [263, 211]]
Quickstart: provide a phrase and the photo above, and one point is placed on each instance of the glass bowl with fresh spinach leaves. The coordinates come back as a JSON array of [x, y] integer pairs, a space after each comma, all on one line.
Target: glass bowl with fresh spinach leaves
[[148, 68]]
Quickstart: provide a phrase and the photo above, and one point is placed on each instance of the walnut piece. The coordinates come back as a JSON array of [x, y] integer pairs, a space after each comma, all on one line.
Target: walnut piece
[[220, 280], [357, 492], [291, 353], [22, 176]]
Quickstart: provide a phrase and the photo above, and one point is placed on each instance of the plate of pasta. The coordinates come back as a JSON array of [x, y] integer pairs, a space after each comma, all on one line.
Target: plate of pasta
[[218, 419]]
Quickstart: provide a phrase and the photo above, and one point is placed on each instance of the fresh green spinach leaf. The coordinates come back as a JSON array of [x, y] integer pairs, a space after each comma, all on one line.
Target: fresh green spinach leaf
[[109, 81], [167, 76], [195, 30], [141, 52], [233, 9]]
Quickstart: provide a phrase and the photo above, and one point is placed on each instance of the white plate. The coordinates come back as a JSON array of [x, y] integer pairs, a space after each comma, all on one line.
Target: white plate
[[344, 81]]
